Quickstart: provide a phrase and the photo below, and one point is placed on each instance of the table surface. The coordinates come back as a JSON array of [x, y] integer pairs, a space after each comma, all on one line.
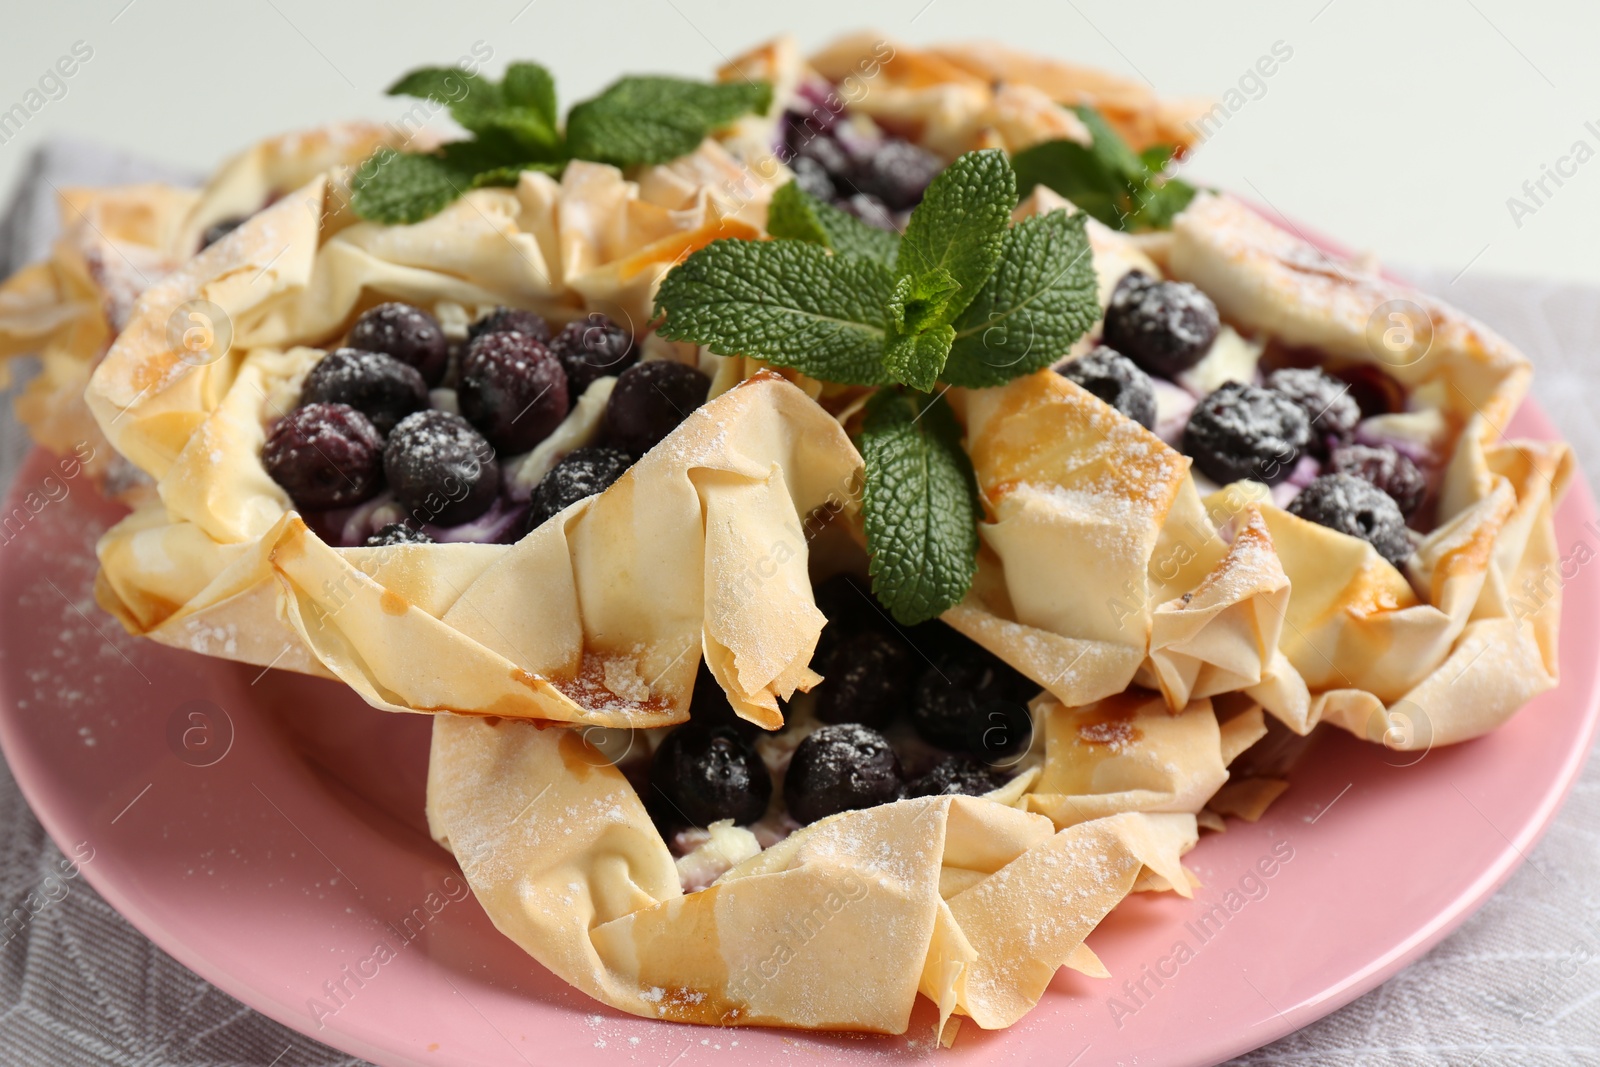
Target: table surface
[[1519, 983]]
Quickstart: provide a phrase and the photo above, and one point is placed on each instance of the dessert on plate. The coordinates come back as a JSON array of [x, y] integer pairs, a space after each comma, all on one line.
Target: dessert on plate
[[868, 495]]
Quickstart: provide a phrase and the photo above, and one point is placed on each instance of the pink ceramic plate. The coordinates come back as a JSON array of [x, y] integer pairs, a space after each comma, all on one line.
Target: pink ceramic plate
[[266, 829]]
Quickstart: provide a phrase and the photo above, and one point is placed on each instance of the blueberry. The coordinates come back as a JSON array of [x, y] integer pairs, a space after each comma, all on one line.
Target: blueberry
[[325, 456], [1165, 327], [397, 533], [377, 385], [513, 389], [220, 229], [865, 680], [709, 706], [582, 472], [1244, 431], [800, 127], [955, 776], [1356, 507], [898, 173], [593, 348], [968, 700], [649, 401], [441, 470], [1327, 402], [511, 320], [826, 153], [840, 768], [710, 773], [812, 177], [1386, 468], [1117, 380], [407, 333], [870, 210]]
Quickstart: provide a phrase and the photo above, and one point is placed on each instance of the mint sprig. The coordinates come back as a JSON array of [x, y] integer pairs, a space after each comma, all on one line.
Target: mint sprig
[[791, 303], [964, 297], [653, 119], [1119, 187], [516, 127], [919, 506], [796, 215], [1041, 298]]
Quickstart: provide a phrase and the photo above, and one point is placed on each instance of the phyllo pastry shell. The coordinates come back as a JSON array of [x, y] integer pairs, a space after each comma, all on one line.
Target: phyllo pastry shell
[[116, 242]]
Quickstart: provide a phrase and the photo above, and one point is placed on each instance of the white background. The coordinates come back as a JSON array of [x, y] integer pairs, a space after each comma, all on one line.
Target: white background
[[1400, 126]]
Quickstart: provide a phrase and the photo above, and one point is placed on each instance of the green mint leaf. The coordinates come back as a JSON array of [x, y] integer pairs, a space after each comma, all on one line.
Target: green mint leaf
[[1076, 173], [1109, 147], [920, 506], [919, 303], [1040, 300], [916, 359], [401, 187], [644, 120], [788, 302], [1158, 204], [960, 224], [509, 175], [796, 214], [445, 86], [530, 86]]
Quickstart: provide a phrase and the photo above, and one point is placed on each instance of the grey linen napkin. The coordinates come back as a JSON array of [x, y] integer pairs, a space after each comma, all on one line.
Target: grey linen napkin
[[1519, 983]]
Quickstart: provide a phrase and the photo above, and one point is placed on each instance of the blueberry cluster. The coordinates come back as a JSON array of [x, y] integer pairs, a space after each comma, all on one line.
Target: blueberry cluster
[[366, 418], [1298, 425], [849, 162], [892, 703]]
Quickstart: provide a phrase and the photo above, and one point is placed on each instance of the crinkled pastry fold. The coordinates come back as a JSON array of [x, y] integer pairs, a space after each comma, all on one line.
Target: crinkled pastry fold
[[969, 902]]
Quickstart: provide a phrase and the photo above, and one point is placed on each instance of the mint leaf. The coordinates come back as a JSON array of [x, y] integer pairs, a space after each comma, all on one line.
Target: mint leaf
[[399, 187], [512, 173], [1159, 204], [530, 86], [920, 506], [1040, 300], [445, 86], [920, 303], [960, 224], [1109, 147], [1076, 173], [916, 358], [788, 302], [644, 120], [796, 214]]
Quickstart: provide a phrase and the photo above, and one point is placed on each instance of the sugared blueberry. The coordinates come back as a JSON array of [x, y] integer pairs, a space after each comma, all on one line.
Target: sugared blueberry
[[1386, 468], [865, 679], [897, 173], [591, 348], [325, 456], [955, 776], [1327, 402], [407, 333], [969, 700], [513, 389], [710, 773], [442, 471], [812, 177], [1165, 327], [377, 385], [870, 210], [1244, 431], [220, 229], [1355, 506], [582, 472], [840, 768], [649, 401], [397, 533], [511, 320], [1117, 380]]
